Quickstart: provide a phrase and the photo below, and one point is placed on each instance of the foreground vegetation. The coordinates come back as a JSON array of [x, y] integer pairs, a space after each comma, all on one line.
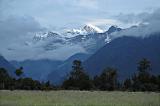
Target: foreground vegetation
[[78, 98], [78, 79], [79, 89]]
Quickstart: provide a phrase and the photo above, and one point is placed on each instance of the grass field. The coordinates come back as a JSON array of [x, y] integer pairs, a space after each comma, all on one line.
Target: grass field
[[78, 98]]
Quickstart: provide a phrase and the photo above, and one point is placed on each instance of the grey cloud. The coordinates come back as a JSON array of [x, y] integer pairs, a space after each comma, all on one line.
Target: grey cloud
[[14, 31], [36, 52], [18, 24], [61, 53], [21, 19], [149, 24], [155, 16], [131, 18], [141, 17]]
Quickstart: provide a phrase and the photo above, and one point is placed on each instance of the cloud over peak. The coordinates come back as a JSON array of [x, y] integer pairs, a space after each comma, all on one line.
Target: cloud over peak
[[149, 23], [21, 19]]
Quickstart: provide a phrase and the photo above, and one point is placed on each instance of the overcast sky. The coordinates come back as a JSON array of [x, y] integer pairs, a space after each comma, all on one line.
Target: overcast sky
[[74, 13], [19, 19]]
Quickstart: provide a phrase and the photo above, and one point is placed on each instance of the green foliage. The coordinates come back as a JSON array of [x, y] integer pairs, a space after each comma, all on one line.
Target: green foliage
[[144, 66], [127, 84], [144, 81], [47, 86], [78, 79], [158, 82], [7, 82], [4, 78], [19, 71], [107, 80]]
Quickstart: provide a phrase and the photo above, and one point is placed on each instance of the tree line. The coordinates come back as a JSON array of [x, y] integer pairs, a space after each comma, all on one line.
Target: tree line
[[143, 80], [78, 79], [20, 82]]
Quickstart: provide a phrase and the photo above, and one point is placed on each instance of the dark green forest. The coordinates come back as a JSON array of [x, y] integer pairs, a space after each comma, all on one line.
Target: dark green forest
[[78, 79]]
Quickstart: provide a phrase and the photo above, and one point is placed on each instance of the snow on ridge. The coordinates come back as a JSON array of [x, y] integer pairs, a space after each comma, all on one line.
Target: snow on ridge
[[98, 30]]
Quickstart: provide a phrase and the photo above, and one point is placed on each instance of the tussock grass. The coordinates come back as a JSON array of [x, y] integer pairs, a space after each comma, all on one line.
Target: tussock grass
[[78, 98]]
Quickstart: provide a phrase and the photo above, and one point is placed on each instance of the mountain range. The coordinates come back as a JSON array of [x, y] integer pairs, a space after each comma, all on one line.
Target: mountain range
[[124, 53], [90, 38], [49, 41], [58, 74], [100, 50], [7, 65], [87, 29], [37, 69]]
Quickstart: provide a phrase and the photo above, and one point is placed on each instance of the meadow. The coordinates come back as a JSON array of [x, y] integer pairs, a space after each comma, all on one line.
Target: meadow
[[78, 98]]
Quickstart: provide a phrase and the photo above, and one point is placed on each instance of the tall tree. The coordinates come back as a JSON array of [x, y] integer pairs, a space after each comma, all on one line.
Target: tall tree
[[158, 82], [144, 81], [107, 80], [4, 78], [77, 79], [144, 68], [127, 84], [19, 71]]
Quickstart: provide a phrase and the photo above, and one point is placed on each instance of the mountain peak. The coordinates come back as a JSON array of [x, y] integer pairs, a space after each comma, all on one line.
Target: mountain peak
[[45, 35], [113, 29], [92, 29], [87, 29]]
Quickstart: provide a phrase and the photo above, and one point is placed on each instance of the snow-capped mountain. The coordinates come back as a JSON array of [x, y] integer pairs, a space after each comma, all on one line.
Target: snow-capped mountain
[[57, 47], [45, 35], [87, 29], [89, 37], [50, 44]]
